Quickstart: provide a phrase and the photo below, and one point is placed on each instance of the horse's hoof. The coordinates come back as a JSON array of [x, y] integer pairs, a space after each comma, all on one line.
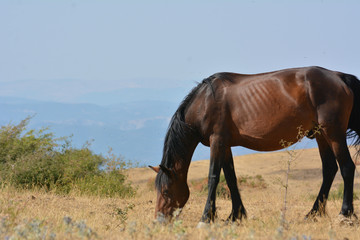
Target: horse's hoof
[[231, 219], [311, 217], [202, 225], [351, 220], [314, 215]]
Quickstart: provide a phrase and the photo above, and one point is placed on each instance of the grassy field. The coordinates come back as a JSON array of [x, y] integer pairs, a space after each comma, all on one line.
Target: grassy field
[[40, 215]]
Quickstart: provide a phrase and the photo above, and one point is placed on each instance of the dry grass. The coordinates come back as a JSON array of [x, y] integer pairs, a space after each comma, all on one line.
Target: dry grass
[[40, 215]]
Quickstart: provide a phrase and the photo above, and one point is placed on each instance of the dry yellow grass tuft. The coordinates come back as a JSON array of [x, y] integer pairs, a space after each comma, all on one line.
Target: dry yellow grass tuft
[[39, 215]]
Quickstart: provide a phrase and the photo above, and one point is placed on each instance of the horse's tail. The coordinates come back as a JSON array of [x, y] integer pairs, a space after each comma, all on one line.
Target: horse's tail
[[354, 122]]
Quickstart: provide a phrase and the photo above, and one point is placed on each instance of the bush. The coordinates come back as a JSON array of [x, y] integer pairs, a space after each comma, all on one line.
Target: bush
[[35, 159]]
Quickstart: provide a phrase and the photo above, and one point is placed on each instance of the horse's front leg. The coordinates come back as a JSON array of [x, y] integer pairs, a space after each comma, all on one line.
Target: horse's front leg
[[238, 210], [217, 154]]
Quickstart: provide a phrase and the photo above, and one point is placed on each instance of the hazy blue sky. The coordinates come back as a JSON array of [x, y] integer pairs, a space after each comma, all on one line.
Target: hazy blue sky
[[63, 50]]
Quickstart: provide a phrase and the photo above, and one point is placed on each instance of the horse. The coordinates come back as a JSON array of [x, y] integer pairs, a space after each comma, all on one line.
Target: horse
[[259, 111]]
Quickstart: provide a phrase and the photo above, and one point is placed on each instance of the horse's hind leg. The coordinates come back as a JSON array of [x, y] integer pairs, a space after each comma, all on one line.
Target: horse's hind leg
[[337, 141], [347, 168], [329, 169], [238, 210]]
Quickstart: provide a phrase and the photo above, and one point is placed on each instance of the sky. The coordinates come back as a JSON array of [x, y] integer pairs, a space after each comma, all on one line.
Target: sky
[[65, 50]]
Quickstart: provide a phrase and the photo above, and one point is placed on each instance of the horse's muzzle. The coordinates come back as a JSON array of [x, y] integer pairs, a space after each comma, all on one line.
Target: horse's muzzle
[[160, 218]]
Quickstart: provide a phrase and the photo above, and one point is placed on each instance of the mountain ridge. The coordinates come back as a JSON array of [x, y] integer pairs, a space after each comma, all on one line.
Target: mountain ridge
[[134, 129]]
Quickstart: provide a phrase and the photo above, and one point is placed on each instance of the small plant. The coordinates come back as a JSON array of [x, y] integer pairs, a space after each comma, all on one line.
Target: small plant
[[250, 181], [122, 214], [292, 156]]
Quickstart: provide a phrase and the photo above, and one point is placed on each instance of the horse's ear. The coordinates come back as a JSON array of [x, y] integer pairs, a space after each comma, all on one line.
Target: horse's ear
[[166, 170], [156, 169]]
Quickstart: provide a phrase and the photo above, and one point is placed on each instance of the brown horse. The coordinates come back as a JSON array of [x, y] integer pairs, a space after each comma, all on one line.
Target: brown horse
[[258, 112]]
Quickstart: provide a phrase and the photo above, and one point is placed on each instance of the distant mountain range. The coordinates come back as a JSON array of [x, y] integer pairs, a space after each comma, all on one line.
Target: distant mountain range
[[134, 129]]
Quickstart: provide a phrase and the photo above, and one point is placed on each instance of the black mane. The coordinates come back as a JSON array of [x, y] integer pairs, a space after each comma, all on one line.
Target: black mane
[[174, 146]]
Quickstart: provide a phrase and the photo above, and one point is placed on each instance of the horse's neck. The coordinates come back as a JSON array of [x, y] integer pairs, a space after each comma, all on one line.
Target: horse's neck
[[182, 167]]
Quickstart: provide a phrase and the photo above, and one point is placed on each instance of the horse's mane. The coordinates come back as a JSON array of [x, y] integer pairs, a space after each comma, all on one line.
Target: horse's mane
[[175, 144]]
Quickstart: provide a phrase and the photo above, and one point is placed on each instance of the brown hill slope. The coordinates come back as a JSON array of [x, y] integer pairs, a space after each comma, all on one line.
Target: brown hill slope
[[305, 169]]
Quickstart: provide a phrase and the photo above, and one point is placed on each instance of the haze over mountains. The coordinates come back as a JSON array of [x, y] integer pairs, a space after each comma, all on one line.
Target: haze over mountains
[[134, 127]]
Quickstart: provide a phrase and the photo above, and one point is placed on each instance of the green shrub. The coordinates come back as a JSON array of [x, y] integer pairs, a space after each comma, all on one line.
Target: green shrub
[[35, 159]]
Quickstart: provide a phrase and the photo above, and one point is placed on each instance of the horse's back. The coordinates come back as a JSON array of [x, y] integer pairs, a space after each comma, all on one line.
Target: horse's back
[[268, 108], [258, 111]]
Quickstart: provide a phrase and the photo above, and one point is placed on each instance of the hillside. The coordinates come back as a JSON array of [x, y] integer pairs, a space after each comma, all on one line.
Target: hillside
[[40, 215], [305, 170]]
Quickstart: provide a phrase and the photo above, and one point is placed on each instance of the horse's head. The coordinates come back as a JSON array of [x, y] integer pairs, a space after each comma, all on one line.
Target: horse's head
[[172, 192]]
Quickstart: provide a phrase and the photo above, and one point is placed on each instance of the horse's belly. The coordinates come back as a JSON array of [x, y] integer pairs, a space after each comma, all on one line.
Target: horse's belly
[[268, 133], [267, 113]]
